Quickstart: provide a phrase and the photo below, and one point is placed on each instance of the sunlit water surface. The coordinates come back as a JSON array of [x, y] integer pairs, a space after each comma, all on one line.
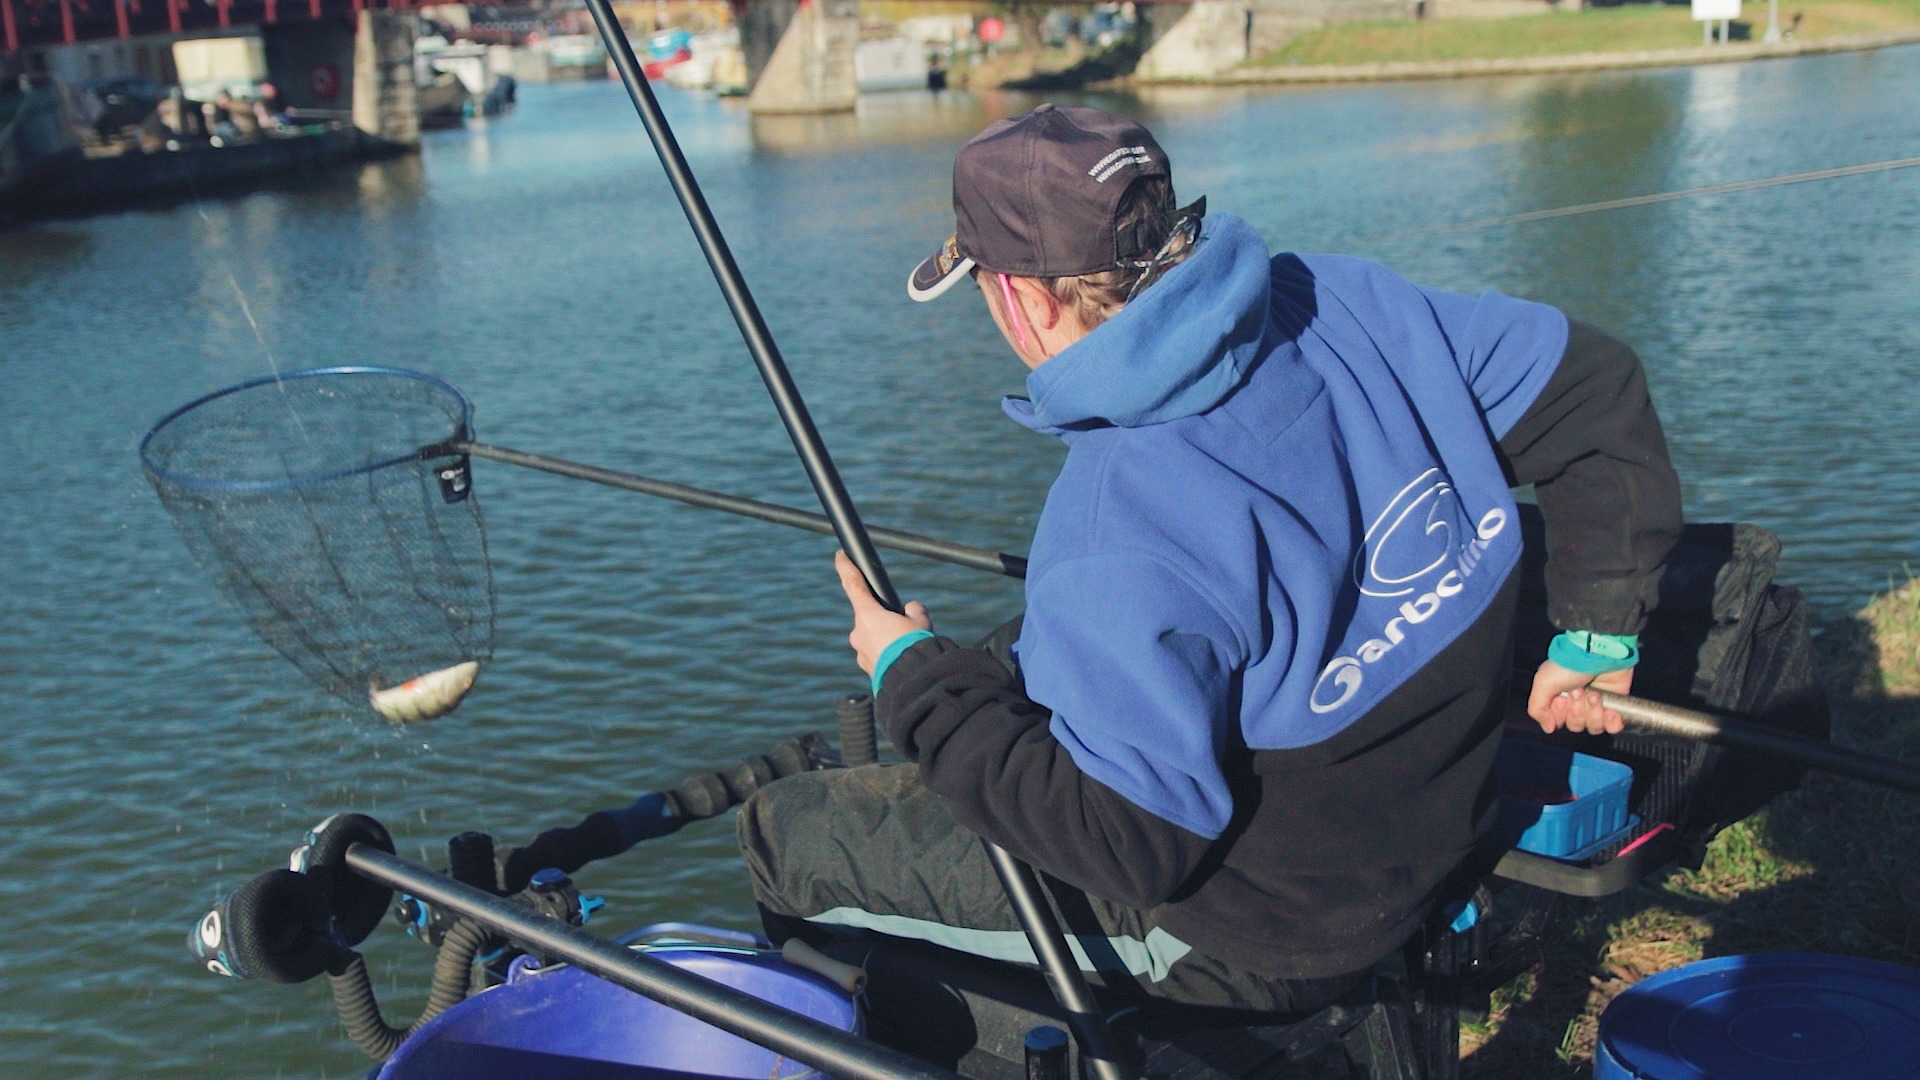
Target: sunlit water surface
[[153, 754]]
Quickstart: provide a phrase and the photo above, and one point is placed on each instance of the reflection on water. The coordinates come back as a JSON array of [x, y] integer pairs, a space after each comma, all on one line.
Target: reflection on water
[[157, 755]]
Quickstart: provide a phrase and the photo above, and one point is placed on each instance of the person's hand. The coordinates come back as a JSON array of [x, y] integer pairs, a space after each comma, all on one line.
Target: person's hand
[[874, 627], [1571, 700]]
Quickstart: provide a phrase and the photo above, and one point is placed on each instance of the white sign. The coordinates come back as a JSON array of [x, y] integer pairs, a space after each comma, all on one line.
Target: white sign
[[1705, 10]]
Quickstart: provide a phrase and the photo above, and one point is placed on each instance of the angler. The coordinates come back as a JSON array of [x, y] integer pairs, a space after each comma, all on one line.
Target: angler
[[1268, 458]]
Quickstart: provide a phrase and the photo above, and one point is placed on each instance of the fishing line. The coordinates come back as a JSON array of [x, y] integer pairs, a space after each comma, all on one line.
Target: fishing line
[[246, 309], [1662, 197]]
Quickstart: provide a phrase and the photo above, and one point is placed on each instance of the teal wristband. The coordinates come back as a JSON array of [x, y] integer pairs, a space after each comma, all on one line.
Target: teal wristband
[[1594, 654], [892, 652]]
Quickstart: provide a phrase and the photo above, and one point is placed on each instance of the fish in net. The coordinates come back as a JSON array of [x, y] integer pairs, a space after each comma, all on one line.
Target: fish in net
[[334, 508]]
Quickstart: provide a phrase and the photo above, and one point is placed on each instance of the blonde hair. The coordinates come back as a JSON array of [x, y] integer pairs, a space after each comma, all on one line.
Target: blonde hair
[[1146, 211]]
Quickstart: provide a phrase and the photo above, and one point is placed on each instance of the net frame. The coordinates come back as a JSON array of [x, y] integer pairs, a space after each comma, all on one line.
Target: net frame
[[363, 575]]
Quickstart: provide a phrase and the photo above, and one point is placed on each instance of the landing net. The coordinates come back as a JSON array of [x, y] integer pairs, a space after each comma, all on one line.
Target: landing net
[[330, 507]]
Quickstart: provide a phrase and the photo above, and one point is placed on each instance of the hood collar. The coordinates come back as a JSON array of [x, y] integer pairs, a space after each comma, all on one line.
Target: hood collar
[[1180, 348]]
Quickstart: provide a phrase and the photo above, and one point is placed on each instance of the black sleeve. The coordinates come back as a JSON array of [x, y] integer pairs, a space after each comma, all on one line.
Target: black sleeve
[[983, 745], [1592, 447]]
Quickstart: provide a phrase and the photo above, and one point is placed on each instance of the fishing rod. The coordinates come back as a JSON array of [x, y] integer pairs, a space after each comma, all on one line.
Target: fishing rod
[[1021, 884], [1652, 716], [973, 558]]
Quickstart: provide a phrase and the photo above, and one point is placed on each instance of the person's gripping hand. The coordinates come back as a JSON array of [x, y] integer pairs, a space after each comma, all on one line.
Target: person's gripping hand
[[1571, 700], [874, 627]]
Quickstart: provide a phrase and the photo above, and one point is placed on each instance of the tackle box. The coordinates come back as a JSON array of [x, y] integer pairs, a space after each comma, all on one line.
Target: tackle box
[[1559, 803]]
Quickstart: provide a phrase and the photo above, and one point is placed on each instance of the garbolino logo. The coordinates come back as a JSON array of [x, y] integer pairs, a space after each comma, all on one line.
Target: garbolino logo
[[1104, 169], [1421, 548]]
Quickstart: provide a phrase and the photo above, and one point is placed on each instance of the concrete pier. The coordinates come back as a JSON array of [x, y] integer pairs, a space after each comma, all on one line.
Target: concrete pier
[[385, 104], [1201, 41], [810, 68]]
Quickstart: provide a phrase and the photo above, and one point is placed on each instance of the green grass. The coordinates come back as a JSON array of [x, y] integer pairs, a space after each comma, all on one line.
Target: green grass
[[1893, 622], [1833, 867], [1616, 29]]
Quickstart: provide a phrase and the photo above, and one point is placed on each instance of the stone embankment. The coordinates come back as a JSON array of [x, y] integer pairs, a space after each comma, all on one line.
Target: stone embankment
[[1545, 65]]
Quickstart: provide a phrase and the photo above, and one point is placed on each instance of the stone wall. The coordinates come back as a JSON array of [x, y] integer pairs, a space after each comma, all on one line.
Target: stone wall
[[1206, 38], [384, 101], [811, 69], [762, 24]]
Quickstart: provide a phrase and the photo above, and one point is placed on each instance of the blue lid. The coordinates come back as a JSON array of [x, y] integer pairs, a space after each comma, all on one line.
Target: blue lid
[[1770, 1016], [1045, 1037]]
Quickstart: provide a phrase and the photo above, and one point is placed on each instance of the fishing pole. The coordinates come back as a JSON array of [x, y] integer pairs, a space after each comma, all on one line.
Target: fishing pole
[[1021, 884], [973, 558], [1652, 716]]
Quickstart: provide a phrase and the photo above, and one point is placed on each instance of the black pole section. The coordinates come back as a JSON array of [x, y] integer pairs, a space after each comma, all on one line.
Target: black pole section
[[973, 558], [766, 356], [1663, 719], [1647, 715], [806, 440], [838, 1053], [1101, 1055]]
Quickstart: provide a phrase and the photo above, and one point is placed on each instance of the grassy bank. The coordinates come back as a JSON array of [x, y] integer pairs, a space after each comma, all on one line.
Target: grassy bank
[[1833, 867], [1616, 29]]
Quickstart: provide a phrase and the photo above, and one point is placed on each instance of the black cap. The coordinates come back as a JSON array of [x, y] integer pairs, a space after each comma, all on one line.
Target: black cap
[[1036, 195]]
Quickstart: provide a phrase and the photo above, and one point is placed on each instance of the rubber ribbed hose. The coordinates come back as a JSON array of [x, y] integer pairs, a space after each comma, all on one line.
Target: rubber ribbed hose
[[360, 1014]]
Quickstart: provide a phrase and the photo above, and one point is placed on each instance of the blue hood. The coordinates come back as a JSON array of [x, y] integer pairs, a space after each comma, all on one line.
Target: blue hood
[[1281, 500], [1146, 365]]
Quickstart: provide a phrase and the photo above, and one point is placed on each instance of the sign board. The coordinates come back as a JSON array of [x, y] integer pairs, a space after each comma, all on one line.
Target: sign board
[[992, 29], [1708, 10], [324, 80]]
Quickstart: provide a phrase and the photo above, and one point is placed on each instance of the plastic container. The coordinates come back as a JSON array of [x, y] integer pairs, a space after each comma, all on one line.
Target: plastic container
[[1770, 1016], [564, 1024], [1557, 803]]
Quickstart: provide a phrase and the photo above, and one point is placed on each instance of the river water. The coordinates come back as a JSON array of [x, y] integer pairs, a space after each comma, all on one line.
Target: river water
[[153, 754]]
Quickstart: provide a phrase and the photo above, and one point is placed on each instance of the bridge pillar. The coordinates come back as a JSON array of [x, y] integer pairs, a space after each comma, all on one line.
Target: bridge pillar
[[1197, 41], [384, 101], [810, 68]]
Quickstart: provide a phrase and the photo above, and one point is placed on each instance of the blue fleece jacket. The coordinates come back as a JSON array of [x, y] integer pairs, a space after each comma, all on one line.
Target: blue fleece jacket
[[1281, 498]]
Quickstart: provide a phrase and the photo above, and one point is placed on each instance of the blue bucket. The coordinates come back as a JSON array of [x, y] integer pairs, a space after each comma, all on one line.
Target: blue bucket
[[1770, 1016], [564, 1024]]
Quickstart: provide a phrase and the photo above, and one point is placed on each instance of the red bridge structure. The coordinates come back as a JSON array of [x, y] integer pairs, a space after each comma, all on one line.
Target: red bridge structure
[[28, 23]]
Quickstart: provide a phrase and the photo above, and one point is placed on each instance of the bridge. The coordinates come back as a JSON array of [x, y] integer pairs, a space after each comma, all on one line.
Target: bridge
[[28, 23], [799, 52]]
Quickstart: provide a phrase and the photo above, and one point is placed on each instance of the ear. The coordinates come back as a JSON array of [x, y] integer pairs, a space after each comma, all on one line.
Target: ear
[[1037, 302]]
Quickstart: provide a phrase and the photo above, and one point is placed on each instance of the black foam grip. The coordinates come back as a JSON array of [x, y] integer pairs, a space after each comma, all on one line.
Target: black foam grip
[[793, 756], [701, 796], [745, 776], [275, 927], [358, 904], [596, 837], [470, 860], [710, 794]]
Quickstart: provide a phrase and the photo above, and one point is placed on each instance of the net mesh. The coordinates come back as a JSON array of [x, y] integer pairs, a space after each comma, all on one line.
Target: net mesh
[[328, 506]]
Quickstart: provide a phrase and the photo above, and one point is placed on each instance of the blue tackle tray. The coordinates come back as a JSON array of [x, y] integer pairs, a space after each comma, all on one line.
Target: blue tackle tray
[[1558, 803]]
